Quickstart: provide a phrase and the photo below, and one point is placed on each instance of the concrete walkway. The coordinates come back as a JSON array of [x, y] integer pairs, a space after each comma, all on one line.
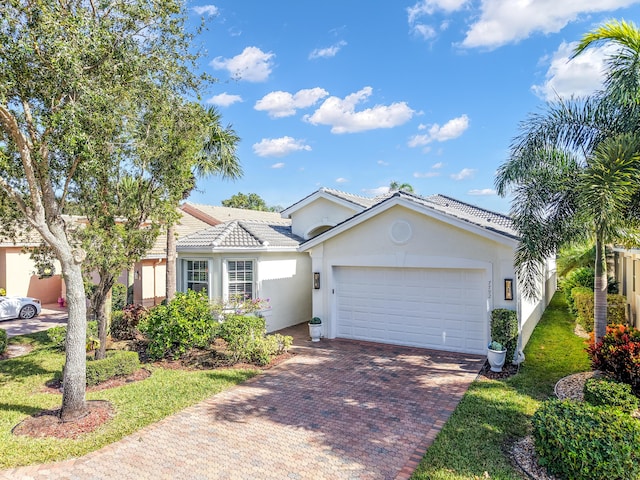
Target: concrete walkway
[[336, 410], [50, 316]]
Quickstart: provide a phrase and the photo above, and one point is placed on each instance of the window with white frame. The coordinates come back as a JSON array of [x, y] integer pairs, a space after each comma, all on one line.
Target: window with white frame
[[197, 275], [240, 278]]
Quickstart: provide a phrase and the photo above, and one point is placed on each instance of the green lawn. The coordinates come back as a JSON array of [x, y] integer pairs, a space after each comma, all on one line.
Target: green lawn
[[492, 414], [136, 404]]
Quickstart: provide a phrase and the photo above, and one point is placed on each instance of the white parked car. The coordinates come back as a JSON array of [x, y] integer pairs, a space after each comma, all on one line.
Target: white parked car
[[19, 307]]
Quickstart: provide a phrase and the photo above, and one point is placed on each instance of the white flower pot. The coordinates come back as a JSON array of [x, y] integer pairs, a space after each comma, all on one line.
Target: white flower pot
[[496, 359], [315, 331]]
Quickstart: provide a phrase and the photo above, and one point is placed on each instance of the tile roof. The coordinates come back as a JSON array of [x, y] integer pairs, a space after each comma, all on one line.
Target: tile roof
[[243, 234], [365, 202], [187, 225], [225, 214]]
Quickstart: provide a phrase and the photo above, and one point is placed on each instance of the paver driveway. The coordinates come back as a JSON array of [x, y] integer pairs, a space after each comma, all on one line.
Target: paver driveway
[[336, 410]]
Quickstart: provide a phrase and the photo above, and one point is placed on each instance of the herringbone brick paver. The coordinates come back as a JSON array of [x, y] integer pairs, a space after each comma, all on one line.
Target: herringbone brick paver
[[336, 410]]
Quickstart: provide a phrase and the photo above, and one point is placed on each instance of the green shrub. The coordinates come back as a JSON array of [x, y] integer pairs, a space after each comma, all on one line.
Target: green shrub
[[584, 308], [58, 335], [504, 330], [581, 441], [185, 322], [247, 340], [3, 292], [580, 277], [3, 341], [118, 363], [609, 393], [118, 297], [124, 323], [618, 355]]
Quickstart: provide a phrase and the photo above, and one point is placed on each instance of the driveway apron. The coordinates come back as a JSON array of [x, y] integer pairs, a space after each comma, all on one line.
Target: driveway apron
[[336, 410]]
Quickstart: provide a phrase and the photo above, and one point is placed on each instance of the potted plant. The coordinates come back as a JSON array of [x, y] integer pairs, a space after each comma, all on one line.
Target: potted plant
[[315, 329], [496, 355]]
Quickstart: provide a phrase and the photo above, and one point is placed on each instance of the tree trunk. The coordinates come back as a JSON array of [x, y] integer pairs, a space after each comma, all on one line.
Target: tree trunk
[[102, 303], [600, 291], [75, 369], [171, 262], [130, 280]]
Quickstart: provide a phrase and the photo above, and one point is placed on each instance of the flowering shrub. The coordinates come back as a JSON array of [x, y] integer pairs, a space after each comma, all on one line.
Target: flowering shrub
[[124, 323], [618, 355]]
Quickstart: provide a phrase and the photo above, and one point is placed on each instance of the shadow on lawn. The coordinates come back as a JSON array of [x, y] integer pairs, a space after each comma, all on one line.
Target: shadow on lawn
[[369, 404]]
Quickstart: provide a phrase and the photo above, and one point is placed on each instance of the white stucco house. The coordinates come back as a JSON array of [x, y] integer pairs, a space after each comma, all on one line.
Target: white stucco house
[[400, 269]]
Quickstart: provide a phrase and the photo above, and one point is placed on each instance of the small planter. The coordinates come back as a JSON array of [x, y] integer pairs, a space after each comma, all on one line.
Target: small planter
[[496, 354], [315, 329]]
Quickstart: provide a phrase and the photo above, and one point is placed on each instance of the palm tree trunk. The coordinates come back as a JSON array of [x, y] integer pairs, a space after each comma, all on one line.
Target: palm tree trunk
[[171, 262], [600, 291]]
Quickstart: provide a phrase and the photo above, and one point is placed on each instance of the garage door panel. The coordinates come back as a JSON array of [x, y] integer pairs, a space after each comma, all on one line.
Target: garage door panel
[[431, 308]]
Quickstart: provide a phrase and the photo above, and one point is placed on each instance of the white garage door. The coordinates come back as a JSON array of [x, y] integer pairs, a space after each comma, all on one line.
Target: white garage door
[[443, 309]]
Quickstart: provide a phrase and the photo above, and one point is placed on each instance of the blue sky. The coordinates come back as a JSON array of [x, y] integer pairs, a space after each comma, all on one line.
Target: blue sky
[[354, 94]]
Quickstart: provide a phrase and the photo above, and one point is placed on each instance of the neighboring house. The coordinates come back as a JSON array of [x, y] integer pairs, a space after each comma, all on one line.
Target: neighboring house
[[401, 269], [627, 274], [19, 275]]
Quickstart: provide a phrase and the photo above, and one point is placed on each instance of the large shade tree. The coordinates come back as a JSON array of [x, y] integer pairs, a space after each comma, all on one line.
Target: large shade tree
[[76, 78], [574, 169]]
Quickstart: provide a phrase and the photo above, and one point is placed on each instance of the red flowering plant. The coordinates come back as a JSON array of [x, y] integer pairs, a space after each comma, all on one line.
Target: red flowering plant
[[618, 355]]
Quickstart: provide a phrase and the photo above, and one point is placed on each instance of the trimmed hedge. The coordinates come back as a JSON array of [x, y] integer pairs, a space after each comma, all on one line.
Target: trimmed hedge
[[609, 393], [247, 340], [581, 441], [118, 363], [4, 339], [504, 330], [583, 304], [580, 277]]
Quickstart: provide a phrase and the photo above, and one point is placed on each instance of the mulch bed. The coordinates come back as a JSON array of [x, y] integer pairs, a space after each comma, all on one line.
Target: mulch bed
[[48, 423], [507, 371]]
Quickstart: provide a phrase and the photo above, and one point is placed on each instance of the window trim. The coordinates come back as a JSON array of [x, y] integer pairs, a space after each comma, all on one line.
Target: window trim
[[184, 272], [225, 276]]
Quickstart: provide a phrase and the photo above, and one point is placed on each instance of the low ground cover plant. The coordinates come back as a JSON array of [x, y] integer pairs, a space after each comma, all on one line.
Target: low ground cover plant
[[609, 393], [577, 440]]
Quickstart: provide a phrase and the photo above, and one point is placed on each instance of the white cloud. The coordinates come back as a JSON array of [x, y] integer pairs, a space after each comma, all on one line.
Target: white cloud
[[224, 99], [342, 116], [328, 52], [437, 165], [252, 65], [484, 192], [450, 130], [383, 163], [283, 104], [277, 165], [426, 8], [581, 76], [464, 173], [376, 191], [426, 174], [279, 147], [507, 21], [341, 180], [208, 9]]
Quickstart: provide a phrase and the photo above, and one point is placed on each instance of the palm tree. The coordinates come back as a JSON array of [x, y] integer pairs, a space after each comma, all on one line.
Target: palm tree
[[574, 169], [395, 186], [218, 157]]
